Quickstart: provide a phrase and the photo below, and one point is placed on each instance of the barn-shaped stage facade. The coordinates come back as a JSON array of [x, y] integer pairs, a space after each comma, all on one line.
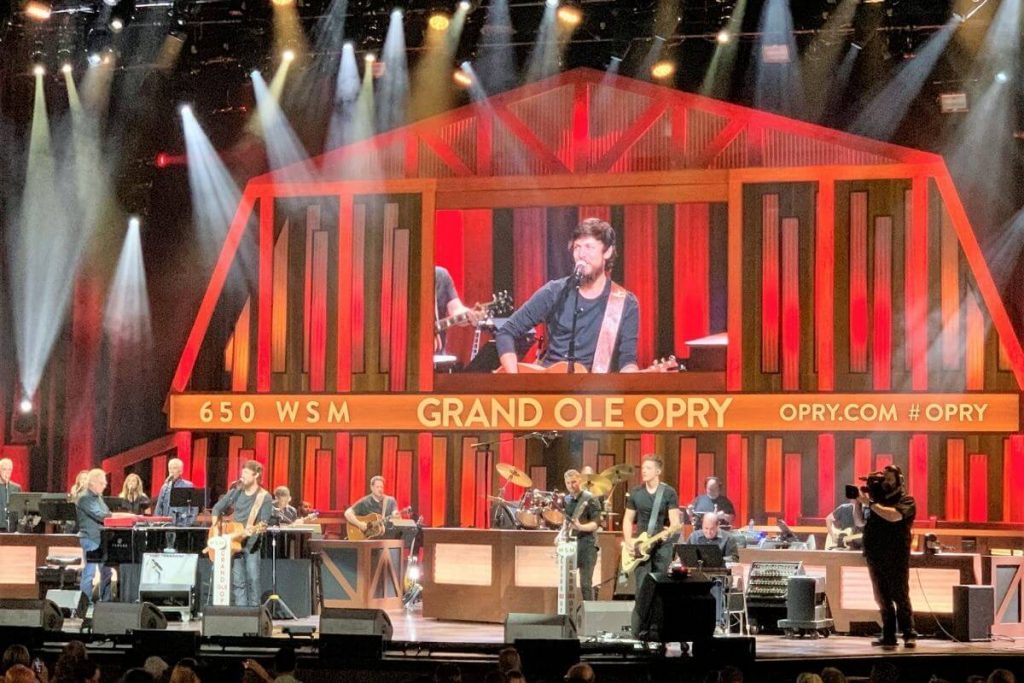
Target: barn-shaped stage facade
[[834, 263]]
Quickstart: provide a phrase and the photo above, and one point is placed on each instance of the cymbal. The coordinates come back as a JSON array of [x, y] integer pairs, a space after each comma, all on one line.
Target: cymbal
[[596, 484], [619, 473], [513, 474], [498, 499]]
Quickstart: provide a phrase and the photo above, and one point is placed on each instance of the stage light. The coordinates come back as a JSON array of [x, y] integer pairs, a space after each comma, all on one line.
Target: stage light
[[663, 69], [35, 9], [282, 3], [288, 56], [1002, 77], [569, 15], [110, 3], [413, 573], [439, 21], [116, 24], [161, 160], [723, 37], [25, 406], [775, 53], [39, 70], [185, 110], [465, 5], [94, 59], [370, 59], [462, 78], [551, 3], [65, 68]]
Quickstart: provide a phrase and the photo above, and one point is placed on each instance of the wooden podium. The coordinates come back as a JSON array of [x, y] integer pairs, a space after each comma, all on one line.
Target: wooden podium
[[365, 574]]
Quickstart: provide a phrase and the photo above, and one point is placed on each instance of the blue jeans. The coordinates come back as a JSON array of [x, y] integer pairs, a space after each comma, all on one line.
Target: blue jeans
[[245, 579], [89, 572]]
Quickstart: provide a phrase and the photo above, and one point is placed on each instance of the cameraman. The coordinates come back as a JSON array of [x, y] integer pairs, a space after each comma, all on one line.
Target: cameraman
[[887, 551]]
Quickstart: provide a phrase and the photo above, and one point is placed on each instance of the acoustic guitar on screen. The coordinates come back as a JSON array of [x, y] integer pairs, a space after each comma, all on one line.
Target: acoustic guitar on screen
[[499, 306], [669, 364], [376, 525]]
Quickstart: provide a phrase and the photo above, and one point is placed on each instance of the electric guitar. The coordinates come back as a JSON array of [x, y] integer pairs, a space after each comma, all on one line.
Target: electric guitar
[[642, 547], [669, 364], [499, 306], [376, 525], [844, 539], [234, 533]]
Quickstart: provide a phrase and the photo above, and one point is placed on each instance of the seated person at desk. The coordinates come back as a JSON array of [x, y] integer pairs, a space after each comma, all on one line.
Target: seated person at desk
[[374, 503], [135, 499], [182, 516], [710, 532], [712, 500], [91, 510], [283, 513], [845, 526]]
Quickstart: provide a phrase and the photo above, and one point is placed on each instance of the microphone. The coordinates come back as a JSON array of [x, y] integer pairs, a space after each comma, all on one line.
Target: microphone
[[169, 479], [237, 483], [577, 271]]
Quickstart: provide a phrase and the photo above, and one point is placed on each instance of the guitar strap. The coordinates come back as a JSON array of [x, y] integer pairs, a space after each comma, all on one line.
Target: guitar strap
[[261, 496], [652, 523], [609, 329]]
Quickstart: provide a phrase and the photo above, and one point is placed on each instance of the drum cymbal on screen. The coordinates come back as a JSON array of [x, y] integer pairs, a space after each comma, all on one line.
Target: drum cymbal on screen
[[595, 484]]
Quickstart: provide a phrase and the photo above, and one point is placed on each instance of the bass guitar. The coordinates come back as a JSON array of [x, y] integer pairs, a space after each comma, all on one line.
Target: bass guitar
[[232, 535], [669, 364], [376, 525], [642, 547]]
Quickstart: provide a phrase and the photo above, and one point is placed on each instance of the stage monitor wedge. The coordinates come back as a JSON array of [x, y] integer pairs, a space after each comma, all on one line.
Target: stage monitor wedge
[[116, 618], [526, 626], [72, 602], [222, 620], [344, 621], [44, 614]]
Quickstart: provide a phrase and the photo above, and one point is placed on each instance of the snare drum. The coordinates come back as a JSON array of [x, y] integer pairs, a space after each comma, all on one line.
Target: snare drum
[[529, 518], [554, 511]]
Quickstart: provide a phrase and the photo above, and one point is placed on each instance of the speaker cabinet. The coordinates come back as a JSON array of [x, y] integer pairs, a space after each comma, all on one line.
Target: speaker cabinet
[[973, 612], [672, 609], [604, 616], [42, 614], [525, 626], [800, 598], [224, 620], [72, 603], [114, 618], [344, 621]]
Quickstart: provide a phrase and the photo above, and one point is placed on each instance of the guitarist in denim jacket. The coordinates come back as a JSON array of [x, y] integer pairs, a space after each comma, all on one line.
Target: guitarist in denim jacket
[[640, 510]]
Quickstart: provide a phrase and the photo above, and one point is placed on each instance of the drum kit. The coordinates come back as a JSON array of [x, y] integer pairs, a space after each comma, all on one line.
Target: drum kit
[[539, 509]]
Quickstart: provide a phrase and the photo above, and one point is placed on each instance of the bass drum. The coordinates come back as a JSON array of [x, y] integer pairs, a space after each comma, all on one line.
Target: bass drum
[[529, 518]]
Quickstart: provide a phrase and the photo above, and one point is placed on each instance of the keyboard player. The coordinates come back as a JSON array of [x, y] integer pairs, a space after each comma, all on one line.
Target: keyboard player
[[710, 532], [91, 511]]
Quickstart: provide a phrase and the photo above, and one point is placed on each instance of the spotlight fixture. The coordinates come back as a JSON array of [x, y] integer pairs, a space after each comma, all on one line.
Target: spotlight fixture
[[94, 59], [723, 37], [38, 10], [282, 3], [370, 59], [110, 3], [462, 78], [551, 3], [116, 24], [439, 21], [25, 405], [465, 5], [65, 68], [663, 69], [185, 110], [570, 15], [39, 70], [288, 56], [133, 222], [1002, 77]]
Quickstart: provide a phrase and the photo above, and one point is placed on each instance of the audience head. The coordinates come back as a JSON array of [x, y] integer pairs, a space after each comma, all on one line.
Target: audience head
[[884, 672], [730, 674], [155, 666], [137, 675], [1001, 676], [284, 661], [185, 671], [515, 676], [580, 673], [508, 660], [15, 654], [447, 673], [808, 677], [495, 677], [831, 674], [19, 673]]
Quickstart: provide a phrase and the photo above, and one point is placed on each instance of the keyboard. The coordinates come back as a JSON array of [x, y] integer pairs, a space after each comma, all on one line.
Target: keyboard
[[125, 522]]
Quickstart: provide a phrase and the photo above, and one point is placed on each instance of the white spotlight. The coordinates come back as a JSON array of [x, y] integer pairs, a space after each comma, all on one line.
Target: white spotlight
[[185, 110], [465, 5], [95, 59], [25, 406], [288, 55], [133, 223], [723, 37], [65, 68], [116, 24], [1002, 77], [39, 70]]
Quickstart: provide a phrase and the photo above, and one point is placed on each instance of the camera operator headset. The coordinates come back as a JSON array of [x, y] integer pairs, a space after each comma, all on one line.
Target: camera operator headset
[[887, 539]]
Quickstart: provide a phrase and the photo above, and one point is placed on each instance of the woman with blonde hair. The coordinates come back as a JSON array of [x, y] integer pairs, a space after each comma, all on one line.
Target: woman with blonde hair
[[78, 488], [135, 499]]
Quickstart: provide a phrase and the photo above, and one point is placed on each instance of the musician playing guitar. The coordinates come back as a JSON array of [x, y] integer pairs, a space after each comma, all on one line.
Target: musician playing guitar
[[582, 515], [652, 505], [447, 304], [252, 505], [375, 503], [608, 315]]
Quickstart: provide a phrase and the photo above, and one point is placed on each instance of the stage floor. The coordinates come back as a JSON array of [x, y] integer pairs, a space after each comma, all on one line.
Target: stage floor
[[413, 628]]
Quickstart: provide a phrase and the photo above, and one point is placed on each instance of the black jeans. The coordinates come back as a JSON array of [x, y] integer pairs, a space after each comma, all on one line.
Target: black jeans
[[890, 580], [586, 560]]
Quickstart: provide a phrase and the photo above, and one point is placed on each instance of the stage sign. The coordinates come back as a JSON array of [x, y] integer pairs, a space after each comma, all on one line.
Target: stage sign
[[615, 412]]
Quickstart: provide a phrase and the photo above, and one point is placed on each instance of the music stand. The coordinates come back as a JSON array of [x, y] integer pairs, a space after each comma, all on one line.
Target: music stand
[[116, 503], [274, 603], [700, 555], [187, 497], [24, 503]]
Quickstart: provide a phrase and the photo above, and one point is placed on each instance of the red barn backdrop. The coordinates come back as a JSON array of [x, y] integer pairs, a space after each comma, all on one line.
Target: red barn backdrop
[[833, 263]]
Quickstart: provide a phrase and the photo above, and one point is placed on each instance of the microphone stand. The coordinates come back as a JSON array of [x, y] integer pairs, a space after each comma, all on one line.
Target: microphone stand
[[575, 280]]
